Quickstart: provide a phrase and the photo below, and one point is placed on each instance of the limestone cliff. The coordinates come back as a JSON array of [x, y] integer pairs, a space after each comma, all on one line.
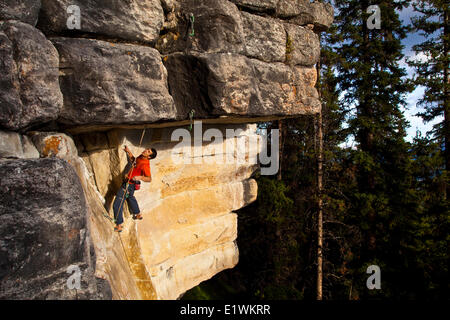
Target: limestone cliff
[[71, 99]]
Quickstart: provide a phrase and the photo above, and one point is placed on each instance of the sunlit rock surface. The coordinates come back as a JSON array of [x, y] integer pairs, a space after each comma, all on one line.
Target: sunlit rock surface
[[189, 228], [134, 20]]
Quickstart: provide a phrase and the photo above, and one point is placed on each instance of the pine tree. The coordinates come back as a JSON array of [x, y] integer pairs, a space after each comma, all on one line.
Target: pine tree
[[431, 230], [374, 89], [382, 200], [433, 73], [338, 237]]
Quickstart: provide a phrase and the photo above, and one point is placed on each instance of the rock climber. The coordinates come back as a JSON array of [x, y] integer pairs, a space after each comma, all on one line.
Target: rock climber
[[139, 171]]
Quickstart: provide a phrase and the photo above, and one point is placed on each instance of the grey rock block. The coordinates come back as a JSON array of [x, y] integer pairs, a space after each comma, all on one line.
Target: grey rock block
[[303, 46], [292, 8], [24, 10], [221, 28], [14, 145], [231, 84], [265, 38], [303, 12], [44, 231], [217, 28], [110, 83], [29, 87], [257, 5], [134, 20]]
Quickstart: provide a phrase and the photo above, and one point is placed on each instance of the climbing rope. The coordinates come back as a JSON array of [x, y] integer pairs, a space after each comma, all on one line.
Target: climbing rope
[[191, 118], [192, 19]]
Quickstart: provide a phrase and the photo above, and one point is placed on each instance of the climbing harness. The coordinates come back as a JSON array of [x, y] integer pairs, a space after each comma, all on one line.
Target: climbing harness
[[191, 118], [192, 19]]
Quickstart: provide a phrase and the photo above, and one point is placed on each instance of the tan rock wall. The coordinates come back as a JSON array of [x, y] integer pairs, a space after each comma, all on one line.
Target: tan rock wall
[[117, 257], [189, 229]]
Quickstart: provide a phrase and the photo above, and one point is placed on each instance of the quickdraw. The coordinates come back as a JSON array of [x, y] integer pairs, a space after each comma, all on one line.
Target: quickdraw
[[192, 19], [191, 118]]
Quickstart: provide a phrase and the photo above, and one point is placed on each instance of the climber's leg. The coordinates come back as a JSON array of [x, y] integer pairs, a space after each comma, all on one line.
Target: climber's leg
[[133, 204], [118, 205]]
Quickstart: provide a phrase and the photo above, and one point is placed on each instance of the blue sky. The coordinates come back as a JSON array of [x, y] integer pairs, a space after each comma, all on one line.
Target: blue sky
[[416, 123]]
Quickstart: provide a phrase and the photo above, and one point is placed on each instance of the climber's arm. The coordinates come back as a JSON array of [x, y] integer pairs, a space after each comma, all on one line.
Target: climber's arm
[[130, 155]]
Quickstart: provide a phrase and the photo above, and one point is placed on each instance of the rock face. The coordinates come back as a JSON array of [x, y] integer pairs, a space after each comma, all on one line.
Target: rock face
[[44, 232], [257, 5], [14, 145], [29, 89], [23, 10], [304, 12], [111, 83], [71, 99], [189, 228], [238, 63], [221, 84], [133, 20], [265, 39], [303, 46]]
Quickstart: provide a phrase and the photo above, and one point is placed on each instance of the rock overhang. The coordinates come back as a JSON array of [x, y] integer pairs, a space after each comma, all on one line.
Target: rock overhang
[[240, 62]]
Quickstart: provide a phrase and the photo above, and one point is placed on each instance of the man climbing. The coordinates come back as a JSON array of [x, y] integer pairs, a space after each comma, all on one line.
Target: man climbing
[[139, 171]]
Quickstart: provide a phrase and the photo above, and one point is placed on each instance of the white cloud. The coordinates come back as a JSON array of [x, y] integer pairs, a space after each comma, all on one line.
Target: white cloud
[[420, 57], [416, 122]]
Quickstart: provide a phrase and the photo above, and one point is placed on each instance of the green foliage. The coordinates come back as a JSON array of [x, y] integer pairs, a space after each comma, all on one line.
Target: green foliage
[[385, 200], [274, 206], [432, 71]]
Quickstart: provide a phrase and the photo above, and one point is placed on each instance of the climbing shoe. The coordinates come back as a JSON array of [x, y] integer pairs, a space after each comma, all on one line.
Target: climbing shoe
[[138, 216], [118, 228]]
